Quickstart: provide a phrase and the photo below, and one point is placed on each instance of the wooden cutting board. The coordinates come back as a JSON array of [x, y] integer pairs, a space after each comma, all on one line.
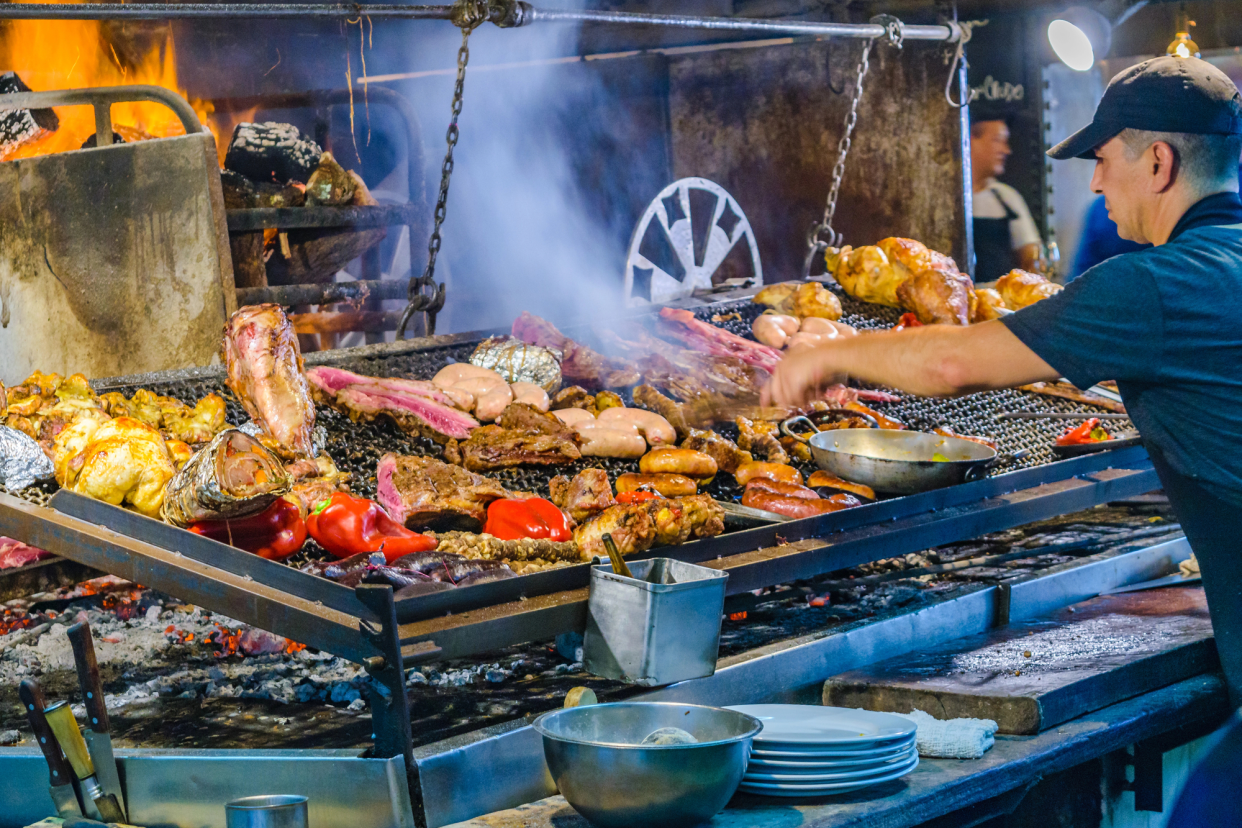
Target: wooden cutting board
[[1036, 674]]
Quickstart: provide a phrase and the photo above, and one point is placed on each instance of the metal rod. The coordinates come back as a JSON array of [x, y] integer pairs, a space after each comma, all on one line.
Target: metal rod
[[741, 24], [324, 294], [1060, 415], [179, 11]]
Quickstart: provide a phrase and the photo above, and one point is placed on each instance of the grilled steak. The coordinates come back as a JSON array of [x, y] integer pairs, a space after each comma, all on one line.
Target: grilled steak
[[523, 417], [423, 492], [416, 407], [494, 447]]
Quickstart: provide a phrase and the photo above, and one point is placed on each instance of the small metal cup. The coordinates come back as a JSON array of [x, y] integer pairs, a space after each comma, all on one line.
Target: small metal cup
[[274, 811]]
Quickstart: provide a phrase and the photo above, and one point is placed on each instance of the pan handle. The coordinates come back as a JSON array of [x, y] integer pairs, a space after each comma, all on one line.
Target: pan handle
[[789, 432], [980, 470]]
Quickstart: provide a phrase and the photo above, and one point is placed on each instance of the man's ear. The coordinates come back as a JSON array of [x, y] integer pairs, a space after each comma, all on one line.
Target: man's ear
[[1164, 166]]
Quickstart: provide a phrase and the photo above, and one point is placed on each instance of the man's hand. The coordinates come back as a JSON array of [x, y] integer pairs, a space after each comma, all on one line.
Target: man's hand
[[931, 361]]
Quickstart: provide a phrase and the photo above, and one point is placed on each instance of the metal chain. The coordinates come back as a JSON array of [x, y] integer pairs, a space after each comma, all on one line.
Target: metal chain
[[467, 14], [822, 236]]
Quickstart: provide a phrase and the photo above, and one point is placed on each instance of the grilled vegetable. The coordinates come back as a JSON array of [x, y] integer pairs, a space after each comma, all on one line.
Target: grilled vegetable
[[531, 518], [346, 525], [1089, 432], [275, 533]]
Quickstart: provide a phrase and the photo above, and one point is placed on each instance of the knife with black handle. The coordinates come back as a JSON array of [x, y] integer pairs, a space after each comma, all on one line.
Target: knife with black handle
[[98, 738], [61, 782], [60, 719]]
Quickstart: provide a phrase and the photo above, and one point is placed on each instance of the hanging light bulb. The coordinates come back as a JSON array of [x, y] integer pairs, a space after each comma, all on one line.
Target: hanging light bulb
[[1182, 46], [1078, 36]]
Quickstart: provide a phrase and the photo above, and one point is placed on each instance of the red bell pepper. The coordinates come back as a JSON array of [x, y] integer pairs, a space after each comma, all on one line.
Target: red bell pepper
[[275, 533], [531, 518], [637, 496], [907, 320], [1089, 432], [346, 525]]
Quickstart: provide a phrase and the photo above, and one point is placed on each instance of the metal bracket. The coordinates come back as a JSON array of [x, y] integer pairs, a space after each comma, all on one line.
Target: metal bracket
[[390, 707], [1148, 785], [894, 29], [1004, 601]]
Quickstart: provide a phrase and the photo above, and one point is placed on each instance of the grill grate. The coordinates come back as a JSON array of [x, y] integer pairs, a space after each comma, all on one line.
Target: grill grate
[[357, 447]]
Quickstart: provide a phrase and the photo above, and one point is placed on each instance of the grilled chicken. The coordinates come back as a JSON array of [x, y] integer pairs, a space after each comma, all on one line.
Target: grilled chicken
[[988, 305], [117, 461], [637, 527], [265, 374], [904, 273], [937, 297], [1020, 288], [723, 450], [589, 493]]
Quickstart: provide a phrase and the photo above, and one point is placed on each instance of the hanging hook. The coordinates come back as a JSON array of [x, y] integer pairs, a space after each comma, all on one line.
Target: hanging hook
[[965, 30], [894, 29]]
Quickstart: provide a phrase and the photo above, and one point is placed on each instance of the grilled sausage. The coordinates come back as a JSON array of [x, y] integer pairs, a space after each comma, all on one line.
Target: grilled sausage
[[823, 478], [777, 487], [531, 394], [772, 471], [774, 329], [657, 430], [803, 341], [450, 375], [797, 507], [693, 464], [669, 485], [491, 397], [826, 328], [572, 416], [599, 440]]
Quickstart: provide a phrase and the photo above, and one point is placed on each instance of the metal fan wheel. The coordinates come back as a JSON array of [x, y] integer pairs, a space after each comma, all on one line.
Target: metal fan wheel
[[683, 237]]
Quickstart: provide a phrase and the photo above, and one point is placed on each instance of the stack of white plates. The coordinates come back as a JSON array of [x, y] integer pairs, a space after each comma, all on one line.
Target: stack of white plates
[[806, 750]]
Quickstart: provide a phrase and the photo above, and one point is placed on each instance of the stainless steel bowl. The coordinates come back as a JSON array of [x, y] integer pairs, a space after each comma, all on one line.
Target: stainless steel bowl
[[900, 462], [607, 775]]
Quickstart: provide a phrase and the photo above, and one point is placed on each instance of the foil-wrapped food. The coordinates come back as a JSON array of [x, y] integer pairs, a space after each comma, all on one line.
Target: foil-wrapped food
[[22, 461], [232, 476], [516, 361]]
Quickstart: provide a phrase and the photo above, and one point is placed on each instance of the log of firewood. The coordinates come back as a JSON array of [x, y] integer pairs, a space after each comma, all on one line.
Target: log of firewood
[[272, 152], [19, 127], [316, 255]]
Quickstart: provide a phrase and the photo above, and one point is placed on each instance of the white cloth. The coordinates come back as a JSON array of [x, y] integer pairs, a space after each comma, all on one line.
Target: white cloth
[[953, 738], [1022, 230]]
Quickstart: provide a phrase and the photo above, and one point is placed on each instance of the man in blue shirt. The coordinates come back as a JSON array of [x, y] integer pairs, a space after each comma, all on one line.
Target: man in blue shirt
[[1099, 240], [1162, 322]]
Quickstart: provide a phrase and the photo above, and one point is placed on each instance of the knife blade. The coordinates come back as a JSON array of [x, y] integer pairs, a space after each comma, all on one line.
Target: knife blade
[[61, 781], [97, 735], [60, 719]]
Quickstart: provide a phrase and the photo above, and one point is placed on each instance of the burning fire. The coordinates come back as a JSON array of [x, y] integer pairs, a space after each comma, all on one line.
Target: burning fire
[[73, 54]]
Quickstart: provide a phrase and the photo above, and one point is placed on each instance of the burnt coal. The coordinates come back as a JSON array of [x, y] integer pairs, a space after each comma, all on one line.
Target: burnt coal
[[19, 127], [272, 152]]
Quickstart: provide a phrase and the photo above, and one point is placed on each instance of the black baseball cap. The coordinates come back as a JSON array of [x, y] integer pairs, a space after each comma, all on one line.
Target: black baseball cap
[[1164, 94]]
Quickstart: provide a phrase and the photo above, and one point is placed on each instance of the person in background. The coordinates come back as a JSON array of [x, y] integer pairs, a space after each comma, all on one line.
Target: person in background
[[1005, 234]]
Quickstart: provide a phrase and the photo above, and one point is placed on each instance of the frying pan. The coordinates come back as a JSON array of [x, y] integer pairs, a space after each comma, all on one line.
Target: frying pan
[[900, 462]]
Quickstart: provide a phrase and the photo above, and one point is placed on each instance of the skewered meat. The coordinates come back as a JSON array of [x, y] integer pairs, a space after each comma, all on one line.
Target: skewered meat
[[725, 452], [652, 400], [760, 438], [589, 493], [517, 361], [265, 374], [936, 296], [493, 447], [1020, 288], [580, 364], [231, 477], [636, 527], [424, 492], [702, 336], [988, 305], [119, 461], [881, 420]]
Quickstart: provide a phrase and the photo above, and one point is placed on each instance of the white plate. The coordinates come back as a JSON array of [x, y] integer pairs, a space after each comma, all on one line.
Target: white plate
[[824, 789], [802, 759], [759, 765], [818, 727], [855, 775], [812, 752]]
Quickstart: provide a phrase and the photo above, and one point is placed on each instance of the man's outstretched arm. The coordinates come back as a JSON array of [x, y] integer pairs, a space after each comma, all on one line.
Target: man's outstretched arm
[[932, 361]]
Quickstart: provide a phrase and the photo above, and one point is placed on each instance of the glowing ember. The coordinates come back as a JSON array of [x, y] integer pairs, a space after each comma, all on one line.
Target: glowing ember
[[73, 54]]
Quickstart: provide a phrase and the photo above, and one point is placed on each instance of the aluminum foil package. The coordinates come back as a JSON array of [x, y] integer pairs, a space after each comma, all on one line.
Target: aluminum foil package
[[22, 461], [232, 476], [516, 361]]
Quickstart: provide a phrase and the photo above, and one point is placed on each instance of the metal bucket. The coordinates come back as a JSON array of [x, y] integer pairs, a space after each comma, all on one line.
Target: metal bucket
[[659, 627], [272, 811]]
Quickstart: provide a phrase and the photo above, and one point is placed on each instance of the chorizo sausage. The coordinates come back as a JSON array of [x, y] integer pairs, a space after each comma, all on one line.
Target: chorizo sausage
[[669, 485], [796, 507], [786, 489], [693, 464], [823, 478], [772, 471]]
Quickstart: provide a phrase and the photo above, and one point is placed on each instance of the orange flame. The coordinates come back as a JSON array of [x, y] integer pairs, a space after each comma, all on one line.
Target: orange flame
[[75, 54]]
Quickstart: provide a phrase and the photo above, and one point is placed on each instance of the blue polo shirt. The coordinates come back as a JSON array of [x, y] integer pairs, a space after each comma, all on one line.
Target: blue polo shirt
[[1166, 324]]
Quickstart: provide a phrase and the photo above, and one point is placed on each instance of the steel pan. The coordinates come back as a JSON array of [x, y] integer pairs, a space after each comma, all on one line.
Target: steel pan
[[900, 462]]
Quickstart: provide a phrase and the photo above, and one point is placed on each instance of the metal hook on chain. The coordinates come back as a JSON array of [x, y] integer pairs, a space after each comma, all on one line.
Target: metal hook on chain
[[894, 29], [467, 15], [964, 30]]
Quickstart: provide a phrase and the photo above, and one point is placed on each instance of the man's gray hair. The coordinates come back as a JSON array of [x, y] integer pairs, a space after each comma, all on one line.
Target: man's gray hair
[[1208, 162]]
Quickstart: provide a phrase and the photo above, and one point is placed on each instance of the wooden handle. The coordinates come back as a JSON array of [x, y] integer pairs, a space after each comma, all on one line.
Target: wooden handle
[[88, 676], [60, 719], [32, 699], [618, 563]]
